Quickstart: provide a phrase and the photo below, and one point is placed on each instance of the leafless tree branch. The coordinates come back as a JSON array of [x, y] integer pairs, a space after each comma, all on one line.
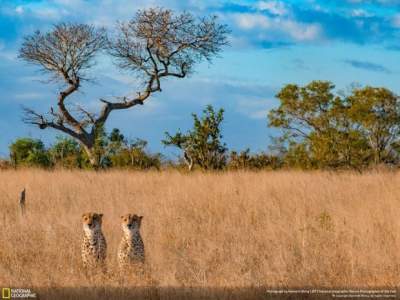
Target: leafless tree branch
[[155, 44]]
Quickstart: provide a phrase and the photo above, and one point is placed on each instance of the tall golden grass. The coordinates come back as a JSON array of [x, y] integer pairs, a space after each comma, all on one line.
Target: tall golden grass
[[234, 229]]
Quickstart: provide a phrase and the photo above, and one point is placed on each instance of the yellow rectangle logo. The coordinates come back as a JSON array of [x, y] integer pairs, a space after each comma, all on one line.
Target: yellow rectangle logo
[[6, 293]]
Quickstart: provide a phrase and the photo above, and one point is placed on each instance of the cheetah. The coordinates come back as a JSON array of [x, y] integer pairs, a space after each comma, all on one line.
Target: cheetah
[[131, 248], [94, 246]]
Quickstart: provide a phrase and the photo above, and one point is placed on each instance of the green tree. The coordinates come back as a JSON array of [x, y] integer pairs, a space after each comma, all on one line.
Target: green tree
[[100, 151], [116, 138], [376, 112], [67, 153], [202, 145], [29, 152], [132, 154], [318, 128]]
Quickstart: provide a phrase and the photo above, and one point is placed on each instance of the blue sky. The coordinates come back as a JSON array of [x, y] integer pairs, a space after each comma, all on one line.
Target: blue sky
[[272, 43]]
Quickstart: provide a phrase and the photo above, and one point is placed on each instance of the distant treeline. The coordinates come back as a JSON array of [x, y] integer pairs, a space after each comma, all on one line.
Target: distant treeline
[[320, 129]]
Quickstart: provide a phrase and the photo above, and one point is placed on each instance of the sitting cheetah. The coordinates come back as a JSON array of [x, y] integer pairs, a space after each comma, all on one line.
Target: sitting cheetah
[[131, 248], [94, 246]]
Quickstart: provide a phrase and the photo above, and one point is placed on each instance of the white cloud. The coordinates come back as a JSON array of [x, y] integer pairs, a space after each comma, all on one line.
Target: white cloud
[[318, 7], [250, 21], [261, 114], [396, 21], [121, 78], [301, 31], [19, 10], [29, 79], [39, 11], [267, 25], [49, 13], [28, 96], [6, 54], [254, 108], [360, 13], [70, 3], [375, 1], [274, 7]]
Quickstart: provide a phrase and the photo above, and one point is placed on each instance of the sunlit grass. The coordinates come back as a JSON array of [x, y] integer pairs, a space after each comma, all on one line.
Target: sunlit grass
[[235, 229]]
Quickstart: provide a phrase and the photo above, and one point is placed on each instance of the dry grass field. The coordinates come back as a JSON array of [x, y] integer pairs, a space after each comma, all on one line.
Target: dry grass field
[[217, 230]]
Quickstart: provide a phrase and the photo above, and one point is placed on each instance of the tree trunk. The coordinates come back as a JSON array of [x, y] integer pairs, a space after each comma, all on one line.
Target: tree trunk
[[92, 157], [188, 160]]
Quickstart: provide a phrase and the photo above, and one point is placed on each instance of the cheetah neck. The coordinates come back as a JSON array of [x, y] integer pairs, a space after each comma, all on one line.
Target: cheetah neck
[[132, 236], [92, 234]]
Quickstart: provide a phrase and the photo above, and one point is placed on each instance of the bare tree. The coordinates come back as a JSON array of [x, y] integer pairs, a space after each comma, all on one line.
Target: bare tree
[[65, 53], [155, 44]]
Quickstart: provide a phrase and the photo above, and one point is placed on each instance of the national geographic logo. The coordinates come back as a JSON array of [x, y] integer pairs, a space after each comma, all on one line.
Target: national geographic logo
[[6, 293], [9, 293]]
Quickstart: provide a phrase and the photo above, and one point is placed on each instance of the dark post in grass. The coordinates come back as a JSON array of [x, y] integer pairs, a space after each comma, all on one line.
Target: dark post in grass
[[22, 201]]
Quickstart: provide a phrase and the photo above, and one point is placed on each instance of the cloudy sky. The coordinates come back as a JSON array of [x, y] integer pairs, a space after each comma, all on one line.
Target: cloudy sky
[[272, 43]]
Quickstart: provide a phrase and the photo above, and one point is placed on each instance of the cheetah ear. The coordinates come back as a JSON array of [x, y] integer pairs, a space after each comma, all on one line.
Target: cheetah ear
[[140, 218], [101, 216]]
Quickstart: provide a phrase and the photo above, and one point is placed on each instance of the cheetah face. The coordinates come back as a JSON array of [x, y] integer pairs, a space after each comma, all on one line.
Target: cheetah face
[[92, 221], [131, 222]]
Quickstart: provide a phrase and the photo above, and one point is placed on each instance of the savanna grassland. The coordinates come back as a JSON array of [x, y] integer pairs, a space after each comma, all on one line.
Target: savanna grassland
[[206, 230]]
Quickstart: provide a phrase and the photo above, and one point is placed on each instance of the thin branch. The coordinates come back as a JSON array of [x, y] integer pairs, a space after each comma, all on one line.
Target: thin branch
[[34, 118]]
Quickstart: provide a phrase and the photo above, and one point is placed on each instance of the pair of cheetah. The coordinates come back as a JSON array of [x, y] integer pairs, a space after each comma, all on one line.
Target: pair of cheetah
[[94, 245]]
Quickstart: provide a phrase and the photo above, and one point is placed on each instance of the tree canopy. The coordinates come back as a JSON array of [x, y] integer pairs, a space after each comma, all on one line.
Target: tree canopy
[[324, 129]]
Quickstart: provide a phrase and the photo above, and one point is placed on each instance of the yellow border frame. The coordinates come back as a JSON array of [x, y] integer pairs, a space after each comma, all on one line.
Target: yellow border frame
[[6, 293]]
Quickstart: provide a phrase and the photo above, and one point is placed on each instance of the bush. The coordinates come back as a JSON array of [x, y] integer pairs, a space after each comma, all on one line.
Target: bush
[[67, 153], [29, 152], [245, 160], [202, 146], [4, 164], [134, 155]]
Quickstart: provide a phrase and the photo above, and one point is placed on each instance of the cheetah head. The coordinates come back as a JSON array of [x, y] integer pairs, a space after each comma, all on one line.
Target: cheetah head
[[131, 223], [92, 221]]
